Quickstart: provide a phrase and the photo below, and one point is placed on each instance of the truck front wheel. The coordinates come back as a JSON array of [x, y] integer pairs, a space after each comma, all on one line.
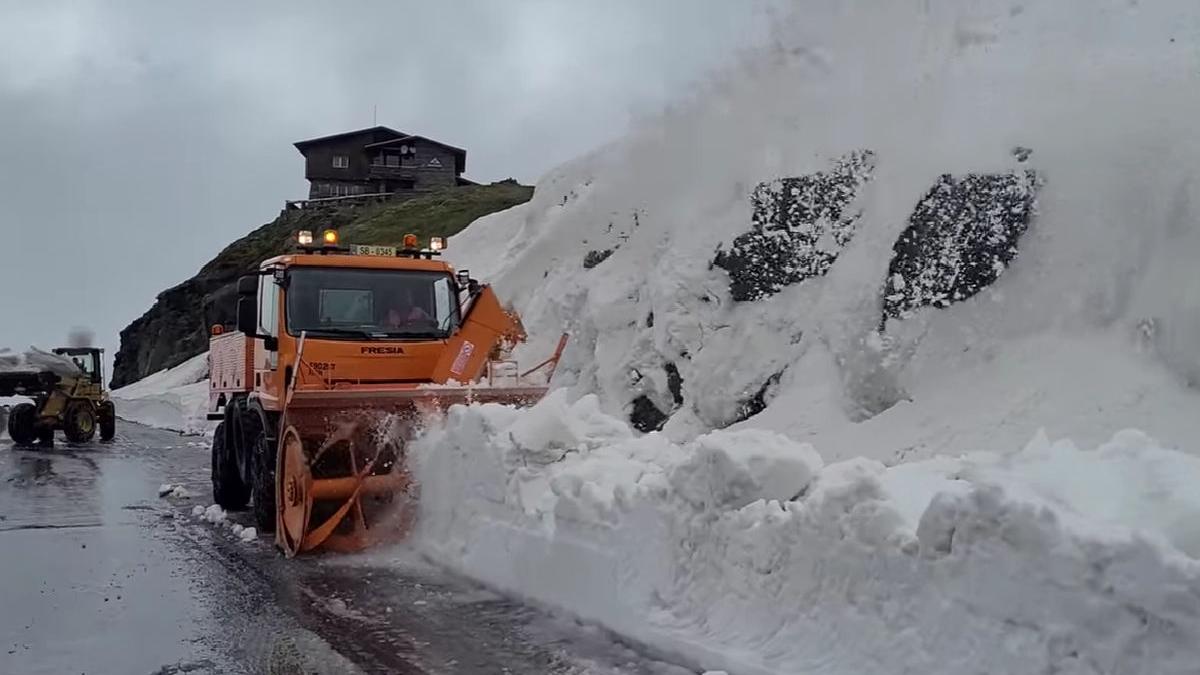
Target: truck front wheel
[[229, 492], [264, 483]]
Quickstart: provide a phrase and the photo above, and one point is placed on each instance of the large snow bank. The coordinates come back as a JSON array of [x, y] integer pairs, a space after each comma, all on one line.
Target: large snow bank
[[1090, 328], [742, 551], [175, 398], [903, 233]]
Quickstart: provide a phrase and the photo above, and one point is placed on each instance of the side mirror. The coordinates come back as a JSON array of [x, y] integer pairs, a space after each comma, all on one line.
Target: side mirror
[[247, 314], [247, 286]]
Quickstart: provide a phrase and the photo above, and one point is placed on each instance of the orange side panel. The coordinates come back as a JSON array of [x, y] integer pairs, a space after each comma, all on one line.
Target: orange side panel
[[466, 353]]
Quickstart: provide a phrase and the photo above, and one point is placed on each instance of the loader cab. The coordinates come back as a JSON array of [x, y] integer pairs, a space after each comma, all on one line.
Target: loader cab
[[89, 360]]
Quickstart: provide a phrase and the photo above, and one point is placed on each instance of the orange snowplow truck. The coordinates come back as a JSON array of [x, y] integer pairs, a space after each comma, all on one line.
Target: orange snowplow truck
[[339, 355]]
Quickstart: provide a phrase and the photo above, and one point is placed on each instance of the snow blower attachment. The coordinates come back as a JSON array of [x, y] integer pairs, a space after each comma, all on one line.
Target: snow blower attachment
[[341, 353]]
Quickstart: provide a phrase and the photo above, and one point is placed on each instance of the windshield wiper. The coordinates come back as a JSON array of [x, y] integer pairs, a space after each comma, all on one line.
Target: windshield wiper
[[413, 334], [339, 332], [373, 334]]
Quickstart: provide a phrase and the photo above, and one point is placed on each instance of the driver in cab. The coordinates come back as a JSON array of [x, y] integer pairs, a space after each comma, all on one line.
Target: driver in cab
[[405, 312]]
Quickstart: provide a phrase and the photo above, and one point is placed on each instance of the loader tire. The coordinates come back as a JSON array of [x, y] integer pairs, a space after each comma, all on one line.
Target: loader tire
[[108, 421], [79, 421], [264, 483], [22, 424], [229, 492]]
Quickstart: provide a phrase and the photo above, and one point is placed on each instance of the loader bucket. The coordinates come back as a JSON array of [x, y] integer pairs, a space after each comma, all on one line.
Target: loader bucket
[[342, 478]]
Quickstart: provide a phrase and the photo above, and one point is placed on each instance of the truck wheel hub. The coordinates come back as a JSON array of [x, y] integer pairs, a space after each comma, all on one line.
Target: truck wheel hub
[[291, 491]]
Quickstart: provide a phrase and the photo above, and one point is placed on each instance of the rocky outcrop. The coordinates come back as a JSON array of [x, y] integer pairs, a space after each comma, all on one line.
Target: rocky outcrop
[[960, 238], [799, 227]]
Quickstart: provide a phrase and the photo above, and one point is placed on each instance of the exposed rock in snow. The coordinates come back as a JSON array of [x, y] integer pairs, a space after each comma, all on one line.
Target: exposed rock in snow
[[799, 226], [960, 239]]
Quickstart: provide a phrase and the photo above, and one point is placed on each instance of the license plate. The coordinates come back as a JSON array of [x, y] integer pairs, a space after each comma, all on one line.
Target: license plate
[[360, 249]]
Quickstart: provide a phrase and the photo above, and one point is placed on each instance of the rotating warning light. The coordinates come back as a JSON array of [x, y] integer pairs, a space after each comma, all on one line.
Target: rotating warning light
[[410, 241], [330, 237]]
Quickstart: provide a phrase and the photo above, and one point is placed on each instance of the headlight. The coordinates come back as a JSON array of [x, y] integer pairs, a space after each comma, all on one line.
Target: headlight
[[437, 244], [305, 237]]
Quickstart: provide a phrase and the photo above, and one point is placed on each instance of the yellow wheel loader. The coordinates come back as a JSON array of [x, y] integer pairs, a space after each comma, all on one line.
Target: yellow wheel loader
[[70, 398]]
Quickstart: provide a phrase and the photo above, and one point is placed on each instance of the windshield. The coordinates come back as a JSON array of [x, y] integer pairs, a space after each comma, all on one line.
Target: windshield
[[84, 361], [337, 302]]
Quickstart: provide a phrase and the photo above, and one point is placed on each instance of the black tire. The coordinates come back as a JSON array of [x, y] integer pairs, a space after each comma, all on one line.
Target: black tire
[[264, 483], [79, 421], [229, 492], [108, 421], [22, 424], [45, 437]]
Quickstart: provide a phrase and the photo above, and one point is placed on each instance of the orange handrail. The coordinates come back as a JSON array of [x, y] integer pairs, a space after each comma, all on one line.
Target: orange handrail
[[552, 361]]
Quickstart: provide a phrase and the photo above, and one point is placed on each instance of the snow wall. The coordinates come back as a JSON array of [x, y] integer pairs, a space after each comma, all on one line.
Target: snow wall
[[175, 399], [843, 286], [1011, 185], [742, 551]]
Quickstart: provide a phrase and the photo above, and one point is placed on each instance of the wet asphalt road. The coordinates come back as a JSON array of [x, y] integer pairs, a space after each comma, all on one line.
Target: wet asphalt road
[[101, 576]]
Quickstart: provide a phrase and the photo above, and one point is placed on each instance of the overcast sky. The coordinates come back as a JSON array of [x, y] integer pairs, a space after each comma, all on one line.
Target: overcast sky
[[139, 137]]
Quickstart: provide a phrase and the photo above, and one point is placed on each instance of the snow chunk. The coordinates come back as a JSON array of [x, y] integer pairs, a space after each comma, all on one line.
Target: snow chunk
[[1131, 483], [174, 491], [730, 469], [555, 427], [214, 514], [248, 534]]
